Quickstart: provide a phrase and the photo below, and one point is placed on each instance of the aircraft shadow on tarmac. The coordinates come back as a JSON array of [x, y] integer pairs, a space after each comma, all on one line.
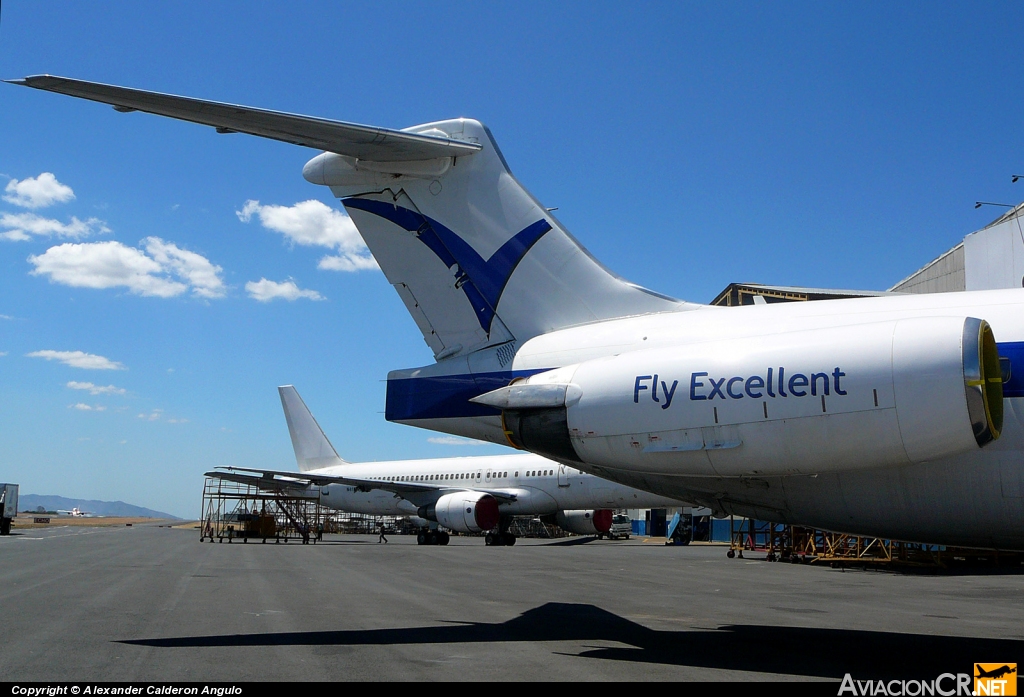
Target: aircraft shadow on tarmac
[[808, 651], [571, 542]]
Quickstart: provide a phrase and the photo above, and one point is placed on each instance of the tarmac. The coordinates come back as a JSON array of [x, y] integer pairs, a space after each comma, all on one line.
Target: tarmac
[[147, 603]]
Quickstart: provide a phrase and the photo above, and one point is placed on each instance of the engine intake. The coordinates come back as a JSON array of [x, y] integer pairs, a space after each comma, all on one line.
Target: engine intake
[[983, 380], [463, 511], [585, 522]]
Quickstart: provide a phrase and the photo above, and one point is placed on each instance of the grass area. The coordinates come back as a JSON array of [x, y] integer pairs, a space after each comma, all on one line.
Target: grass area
[[26, 521]]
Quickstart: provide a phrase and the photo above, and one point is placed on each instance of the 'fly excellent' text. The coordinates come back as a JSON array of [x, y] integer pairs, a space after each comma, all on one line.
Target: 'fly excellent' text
[[756, 386]]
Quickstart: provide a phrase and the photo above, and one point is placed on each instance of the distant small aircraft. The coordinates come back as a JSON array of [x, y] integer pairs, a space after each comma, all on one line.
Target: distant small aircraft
[[75, 513]]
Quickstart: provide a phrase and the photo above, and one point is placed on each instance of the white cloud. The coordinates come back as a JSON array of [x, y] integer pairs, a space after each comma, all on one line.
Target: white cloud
[[315, 224], [18, 227], [158, 414], [265, 291], [197, 270], [6, 317], [3, 353], [78, 359], [166, 272], [344, 262], [453, 440], [38, 192], [96, 389], [85, 407]]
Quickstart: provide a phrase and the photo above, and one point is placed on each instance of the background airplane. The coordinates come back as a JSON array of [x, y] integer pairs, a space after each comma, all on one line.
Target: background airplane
[[463, 494], [882, 416]]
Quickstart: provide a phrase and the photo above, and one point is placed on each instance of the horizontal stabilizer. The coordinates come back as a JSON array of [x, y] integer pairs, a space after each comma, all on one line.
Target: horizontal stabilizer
[[354, 140]]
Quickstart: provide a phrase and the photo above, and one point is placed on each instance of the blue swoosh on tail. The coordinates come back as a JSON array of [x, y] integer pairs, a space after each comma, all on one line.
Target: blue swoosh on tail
[[483, 281]]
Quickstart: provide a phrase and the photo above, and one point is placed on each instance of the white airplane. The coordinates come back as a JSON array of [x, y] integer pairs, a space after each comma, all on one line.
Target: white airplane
[[464, 494], [881, 416]]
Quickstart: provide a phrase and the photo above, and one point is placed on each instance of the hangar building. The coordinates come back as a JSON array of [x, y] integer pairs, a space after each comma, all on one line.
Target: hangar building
[[992, 257]]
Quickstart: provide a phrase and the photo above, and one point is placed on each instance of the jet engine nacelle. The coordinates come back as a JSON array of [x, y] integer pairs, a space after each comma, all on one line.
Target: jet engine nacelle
[[830, 399], [463, 511], [585, 522]]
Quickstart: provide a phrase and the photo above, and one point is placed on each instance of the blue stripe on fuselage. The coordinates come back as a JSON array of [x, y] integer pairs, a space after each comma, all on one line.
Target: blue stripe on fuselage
[[446, 396], [1014, 350]]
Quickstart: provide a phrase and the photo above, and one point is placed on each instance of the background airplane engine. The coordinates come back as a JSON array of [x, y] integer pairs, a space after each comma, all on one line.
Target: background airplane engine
[[804, 402], [585, 522], [464, 511]]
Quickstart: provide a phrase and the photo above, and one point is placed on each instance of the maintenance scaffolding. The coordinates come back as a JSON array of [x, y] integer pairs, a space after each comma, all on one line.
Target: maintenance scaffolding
[[238, 511], [811, 546], [233, 510]]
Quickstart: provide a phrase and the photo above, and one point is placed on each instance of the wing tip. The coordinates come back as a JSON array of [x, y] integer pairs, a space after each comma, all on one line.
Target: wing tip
[[33, 80]]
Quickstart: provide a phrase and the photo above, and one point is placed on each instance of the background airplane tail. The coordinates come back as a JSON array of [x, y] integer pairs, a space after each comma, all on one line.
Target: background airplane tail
[[312, 449], [476, 259]]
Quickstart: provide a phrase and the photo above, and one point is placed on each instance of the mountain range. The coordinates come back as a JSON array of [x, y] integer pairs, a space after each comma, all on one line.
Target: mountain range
[[29, 502]]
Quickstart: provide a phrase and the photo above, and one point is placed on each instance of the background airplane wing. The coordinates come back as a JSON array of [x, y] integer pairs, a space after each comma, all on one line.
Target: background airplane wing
[[264, 483], [414, 491], [363, 142]]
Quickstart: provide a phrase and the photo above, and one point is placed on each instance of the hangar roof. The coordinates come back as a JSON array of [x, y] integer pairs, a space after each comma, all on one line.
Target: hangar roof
[[744, 294]]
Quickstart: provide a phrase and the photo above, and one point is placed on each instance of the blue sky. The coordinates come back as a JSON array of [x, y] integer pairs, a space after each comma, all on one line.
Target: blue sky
[[686, 145]]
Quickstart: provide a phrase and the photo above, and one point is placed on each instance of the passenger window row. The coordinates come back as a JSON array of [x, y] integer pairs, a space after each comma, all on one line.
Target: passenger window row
[[469, 475]]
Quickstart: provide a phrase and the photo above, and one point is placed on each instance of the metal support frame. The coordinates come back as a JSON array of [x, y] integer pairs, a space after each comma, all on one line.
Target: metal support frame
[[799, 544], [232, 510]]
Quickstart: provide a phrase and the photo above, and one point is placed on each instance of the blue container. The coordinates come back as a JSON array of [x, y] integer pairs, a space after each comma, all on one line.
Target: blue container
[[720, 530]]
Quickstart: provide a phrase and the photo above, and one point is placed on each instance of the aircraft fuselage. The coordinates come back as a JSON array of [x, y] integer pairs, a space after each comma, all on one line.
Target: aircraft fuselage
[[761, 444]]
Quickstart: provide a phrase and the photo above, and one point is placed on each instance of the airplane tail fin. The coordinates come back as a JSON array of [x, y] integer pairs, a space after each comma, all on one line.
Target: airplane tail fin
[[312, 449], [476, 259]]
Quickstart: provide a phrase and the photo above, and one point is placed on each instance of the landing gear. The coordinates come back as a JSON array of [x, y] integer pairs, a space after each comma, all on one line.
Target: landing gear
[[499, 539], [432, 537]]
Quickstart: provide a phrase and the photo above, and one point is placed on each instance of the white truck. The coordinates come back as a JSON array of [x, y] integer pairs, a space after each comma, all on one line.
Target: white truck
[[8, 507], [621, 528]]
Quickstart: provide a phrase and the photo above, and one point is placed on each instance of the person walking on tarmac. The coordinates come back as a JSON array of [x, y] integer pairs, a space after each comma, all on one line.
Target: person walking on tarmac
[[381, 538]]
